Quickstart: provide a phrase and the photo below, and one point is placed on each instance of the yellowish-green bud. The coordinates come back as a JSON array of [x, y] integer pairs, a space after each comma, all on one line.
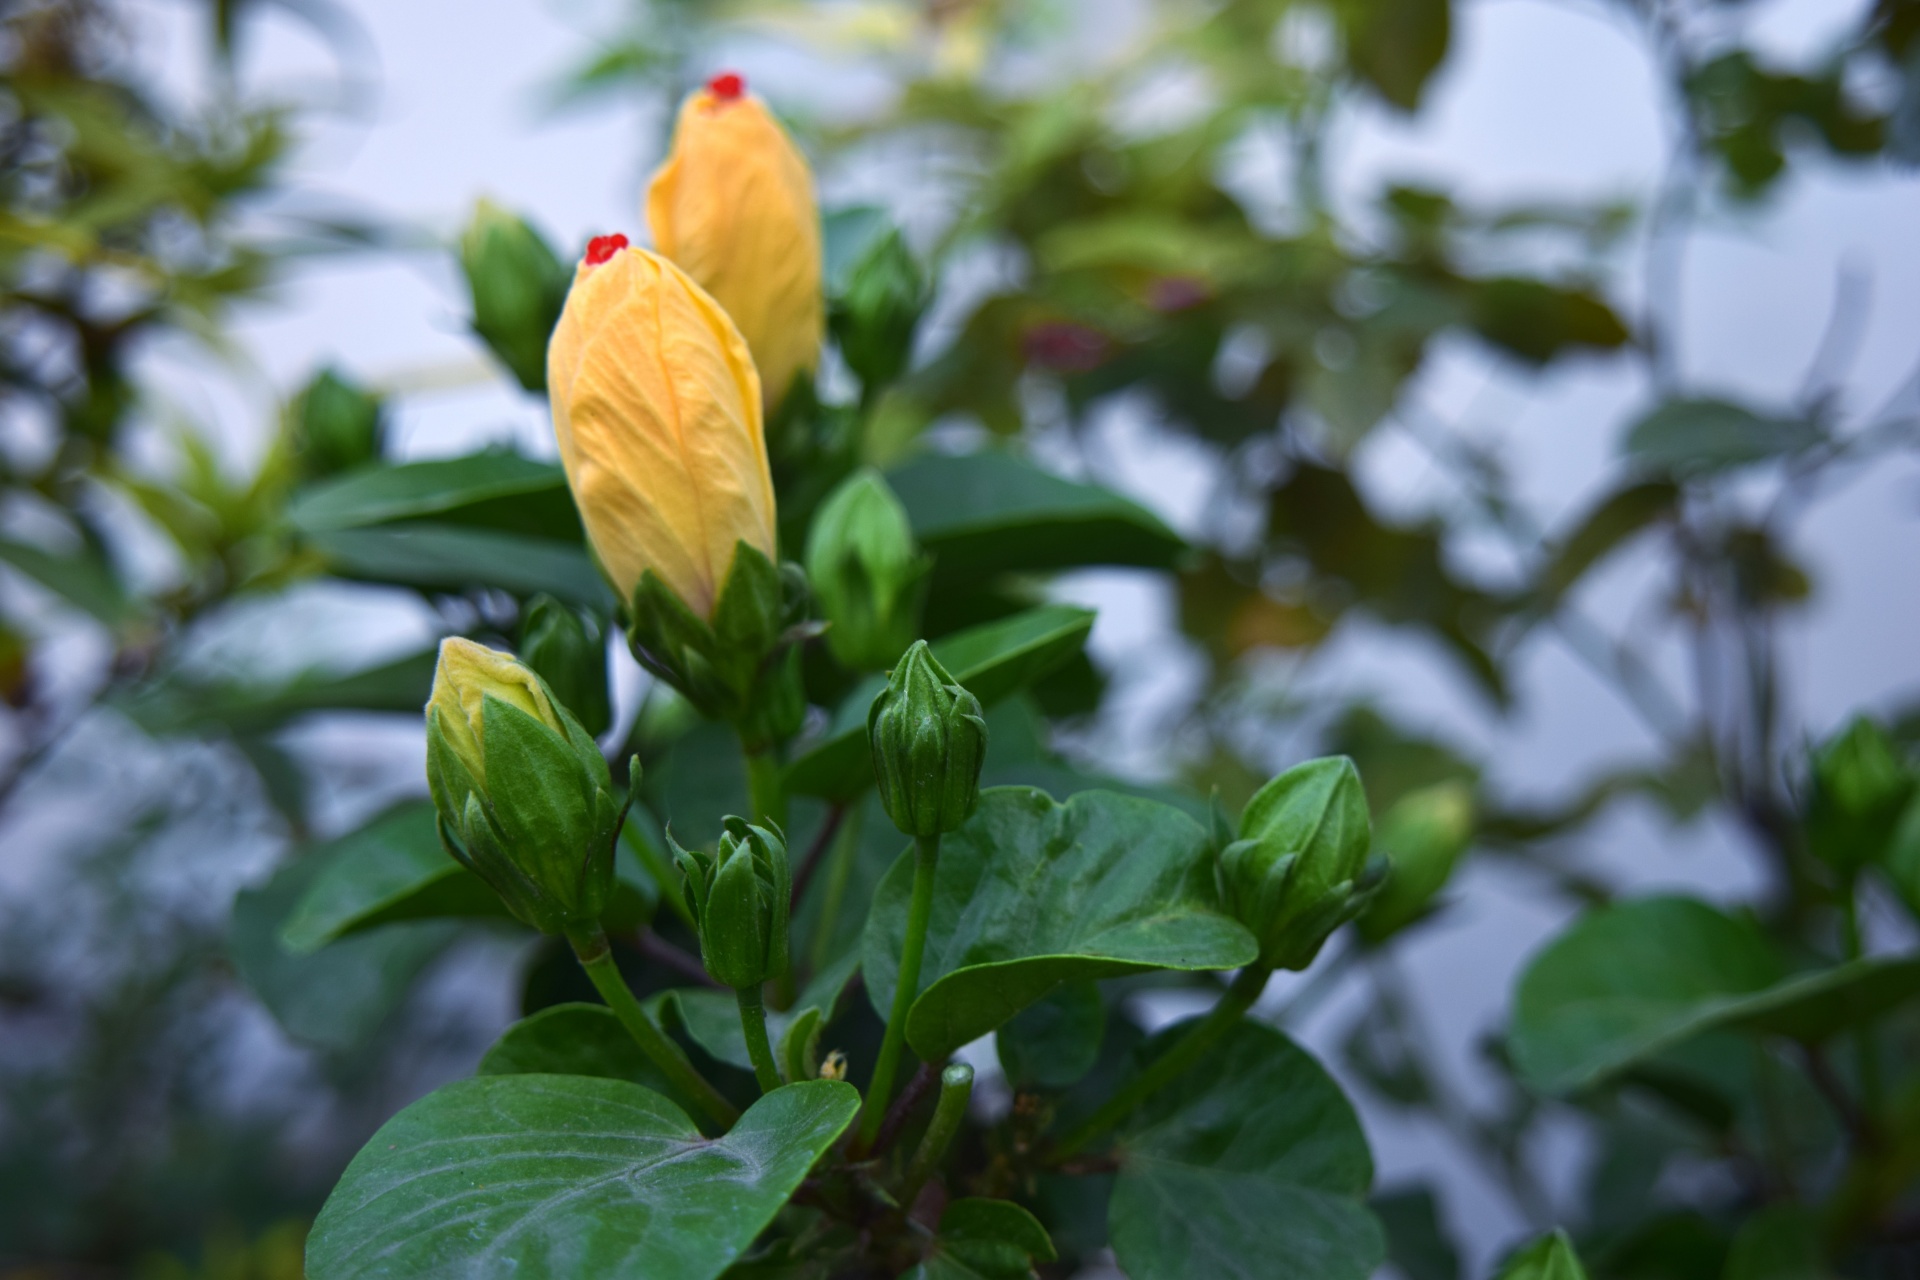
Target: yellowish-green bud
[[1423, 836]]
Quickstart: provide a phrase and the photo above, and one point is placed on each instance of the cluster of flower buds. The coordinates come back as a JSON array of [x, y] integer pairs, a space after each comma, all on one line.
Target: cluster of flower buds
[[928, 740], [866, 572], [524, 795], [1300, 868], [739, 896]]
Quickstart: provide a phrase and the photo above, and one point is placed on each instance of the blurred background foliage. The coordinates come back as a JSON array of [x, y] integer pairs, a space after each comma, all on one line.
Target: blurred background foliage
[[1081, 243]]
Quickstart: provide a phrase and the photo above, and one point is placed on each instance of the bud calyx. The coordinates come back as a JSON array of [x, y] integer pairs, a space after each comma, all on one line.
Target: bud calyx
[[929, 741], [739, 896]]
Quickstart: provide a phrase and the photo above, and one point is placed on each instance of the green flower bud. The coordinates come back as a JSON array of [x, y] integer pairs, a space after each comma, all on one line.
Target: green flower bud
[[1860, 787], [929, 741], [874, 319], [518, 287], [336, 426], [525, 799], [866, 572], [1423, 836], [570, 654], [740, 896], [1300, 868]]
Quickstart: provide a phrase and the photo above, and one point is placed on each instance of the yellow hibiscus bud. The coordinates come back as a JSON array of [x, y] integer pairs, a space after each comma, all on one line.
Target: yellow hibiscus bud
[[733, 205], [657, 409], [465, 675]]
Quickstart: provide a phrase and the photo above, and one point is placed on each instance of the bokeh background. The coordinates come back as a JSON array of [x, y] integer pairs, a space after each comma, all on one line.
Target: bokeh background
[[121, 852]]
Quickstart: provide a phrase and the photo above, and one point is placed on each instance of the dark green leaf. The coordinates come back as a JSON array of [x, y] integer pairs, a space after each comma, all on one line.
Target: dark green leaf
[[494, 490], [1417, 1241], [176, 704], [711, 1018], [1779, 1243], [1053, 1042], [1549, 1258], [1630, 981], [1252, 1166], [1611, 523], [991, 513], [563, 1176], [1031, 894], [985, 1240], [1698, 437], [575, 1040], [457, 558], [992, 660], [1395, 45], [84, 581], [1538, 321], [336, 998]]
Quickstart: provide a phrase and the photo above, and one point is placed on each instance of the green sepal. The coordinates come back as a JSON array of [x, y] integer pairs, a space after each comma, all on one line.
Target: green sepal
[[740, 898], [929, 741]]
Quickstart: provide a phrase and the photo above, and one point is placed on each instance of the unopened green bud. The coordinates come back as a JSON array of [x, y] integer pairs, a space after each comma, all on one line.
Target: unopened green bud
[[518, 285], [337, 425], [867, 574], [524, 795], [1423, 836], [1300, 868], [570, 654], [929, 741], [1860, 788], [740, 897], [874, 320]]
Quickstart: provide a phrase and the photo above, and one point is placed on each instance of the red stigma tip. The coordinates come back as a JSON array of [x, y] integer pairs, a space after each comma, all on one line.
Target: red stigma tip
[[601, 248], [727, 86]]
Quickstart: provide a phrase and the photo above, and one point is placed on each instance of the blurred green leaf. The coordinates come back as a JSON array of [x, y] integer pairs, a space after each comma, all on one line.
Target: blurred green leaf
[[985, 1240], [1701, 437], [1055, 1041], [179, 703], [491, 490], [1549, 1258], [84, 581], [1417, 1241], [457, 558], [1396, 45], [1607, 526], [1539, 322]]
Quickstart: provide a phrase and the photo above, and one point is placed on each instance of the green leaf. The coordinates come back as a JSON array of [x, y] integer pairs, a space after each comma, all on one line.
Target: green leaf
[[1537, 321], [1053, 1042], [1395, 45], [1778, 1243], [1630, 981], [1417, 1241], [846, 235], [1549, 1258], [991, 513], [84, 581], [455, 558], [575, 1040], [1607, 527], [985, 1240], [566, 1176], [394, 868], [1031, 894], [495, 490], [1252, 1166], [337, 998], [1699, 437], [993, 660], [179, 704], [711, 1018]]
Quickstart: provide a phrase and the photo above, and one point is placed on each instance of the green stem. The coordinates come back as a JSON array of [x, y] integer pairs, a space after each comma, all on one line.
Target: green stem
[[840, 860], [926, 853], [956, 1087], [753, 1023], [597, 960], [1163, 1070], [1866, 1046], [766, 791]]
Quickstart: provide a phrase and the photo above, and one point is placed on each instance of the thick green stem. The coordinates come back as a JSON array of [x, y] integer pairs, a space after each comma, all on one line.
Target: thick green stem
[[597, 960], [766, 791], [956, 1087], [753, 1023], [1203, 1036], [926, 853]]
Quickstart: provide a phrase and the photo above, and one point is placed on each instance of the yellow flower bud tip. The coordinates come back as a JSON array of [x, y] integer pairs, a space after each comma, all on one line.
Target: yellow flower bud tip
[[656, 407], [465, 674], [734, 206]]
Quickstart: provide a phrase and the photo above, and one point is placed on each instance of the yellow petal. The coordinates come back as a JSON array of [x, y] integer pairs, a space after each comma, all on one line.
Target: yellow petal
[[656, 406], [734, 207], [465, 674]]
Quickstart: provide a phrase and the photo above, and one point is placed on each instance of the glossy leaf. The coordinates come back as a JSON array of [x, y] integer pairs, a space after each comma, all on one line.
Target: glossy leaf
[[1251, 1165], [1633, 980], [339, 997], [993, 660], [395, 868], [496, 490], [1689, 437], [1031, 894], [565, 1176], [1549, 1258], [985, 1240], [993, 513], [456, 558]]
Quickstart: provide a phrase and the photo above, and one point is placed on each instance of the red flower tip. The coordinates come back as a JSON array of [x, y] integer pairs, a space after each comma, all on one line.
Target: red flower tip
[[600, 248], [727, 86]]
